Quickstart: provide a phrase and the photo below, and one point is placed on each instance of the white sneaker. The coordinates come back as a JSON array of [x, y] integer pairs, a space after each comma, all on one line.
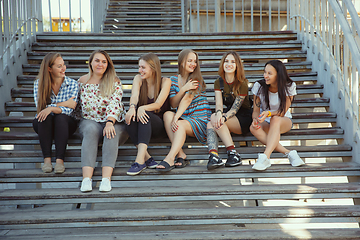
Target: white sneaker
[[262, 162], [105, 185], [294, 158], [86, 185]]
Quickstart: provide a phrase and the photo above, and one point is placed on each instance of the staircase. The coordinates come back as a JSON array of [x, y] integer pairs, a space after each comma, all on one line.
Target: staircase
[[310, 202], [316, 201], [143, 16]]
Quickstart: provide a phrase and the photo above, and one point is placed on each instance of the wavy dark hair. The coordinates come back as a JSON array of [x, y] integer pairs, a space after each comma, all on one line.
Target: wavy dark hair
[[284, 83]]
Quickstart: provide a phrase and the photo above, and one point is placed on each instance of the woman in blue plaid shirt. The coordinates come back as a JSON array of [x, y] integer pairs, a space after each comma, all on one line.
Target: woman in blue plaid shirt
[[55, 98]]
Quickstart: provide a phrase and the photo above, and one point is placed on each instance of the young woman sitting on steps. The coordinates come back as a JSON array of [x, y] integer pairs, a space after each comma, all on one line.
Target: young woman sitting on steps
[[187, 94], [231, 90], [271, 115], [55, 98], [148, 103], [102, 116]]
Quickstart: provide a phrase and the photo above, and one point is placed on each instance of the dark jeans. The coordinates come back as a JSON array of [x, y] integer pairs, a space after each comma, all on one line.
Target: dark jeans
[[57, 127], [142, 133]]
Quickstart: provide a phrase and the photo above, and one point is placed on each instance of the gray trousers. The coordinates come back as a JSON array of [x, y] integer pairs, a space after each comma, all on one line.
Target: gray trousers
[[92, 133]]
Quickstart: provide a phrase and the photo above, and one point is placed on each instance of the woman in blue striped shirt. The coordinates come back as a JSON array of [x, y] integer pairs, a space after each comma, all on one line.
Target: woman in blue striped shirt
[[55, 98], [187, 94]]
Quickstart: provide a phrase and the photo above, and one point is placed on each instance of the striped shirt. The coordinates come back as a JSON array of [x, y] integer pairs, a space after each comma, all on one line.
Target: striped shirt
[[197, 113]]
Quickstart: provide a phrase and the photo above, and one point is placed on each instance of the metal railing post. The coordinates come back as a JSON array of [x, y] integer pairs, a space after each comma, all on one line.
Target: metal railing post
[[217, 16]]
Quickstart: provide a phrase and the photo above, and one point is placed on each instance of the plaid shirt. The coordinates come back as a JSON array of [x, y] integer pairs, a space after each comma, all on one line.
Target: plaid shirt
[[69, 88]]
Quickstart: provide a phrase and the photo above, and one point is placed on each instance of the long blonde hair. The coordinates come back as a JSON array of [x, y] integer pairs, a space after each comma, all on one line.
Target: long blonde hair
[[44, 85], [109, 77], [196, 74], [155, 66], [239, 74]]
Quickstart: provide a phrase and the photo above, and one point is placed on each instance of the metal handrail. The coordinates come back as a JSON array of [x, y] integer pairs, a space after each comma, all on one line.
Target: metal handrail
[[320, 38], [336, 56], [15, 34]]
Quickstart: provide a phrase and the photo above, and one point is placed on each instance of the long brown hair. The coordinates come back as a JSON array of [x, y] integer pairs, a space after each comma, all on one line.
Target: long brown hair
[[109, 77], [196, 74], [155, 66], [44, 85], [239, 74]]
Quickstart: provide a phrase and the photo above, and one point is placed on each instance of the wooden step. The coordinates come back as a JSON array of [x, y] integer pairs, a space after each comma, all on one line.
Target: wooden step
[[297, 103], [294, 134], [169, 47], [148, 31], [298, 77], [169, 233], [171, 69], [300, 89], [111, 19], [298, 118], [166, 37], [142, 16], [295, 55], [196, 171], [127, 153], [148, 7], [158, 217], [168, 193], [149, 28]]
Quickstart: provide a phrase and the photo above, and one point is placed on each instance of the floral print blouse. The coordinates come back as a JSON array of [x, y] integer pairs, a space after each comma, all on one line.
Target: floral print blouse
[[97, 107]]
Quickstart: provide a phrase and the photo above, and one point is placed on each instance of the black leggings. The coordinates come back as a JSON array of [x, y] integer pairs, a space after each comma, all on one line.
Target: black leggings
[[58, 127], [142, 133]]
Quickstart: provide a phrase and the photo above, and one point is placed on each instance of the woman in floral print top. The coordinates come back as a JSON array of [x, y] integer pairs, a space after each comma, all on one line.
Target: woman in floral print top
[[99, 108], [102, 117]]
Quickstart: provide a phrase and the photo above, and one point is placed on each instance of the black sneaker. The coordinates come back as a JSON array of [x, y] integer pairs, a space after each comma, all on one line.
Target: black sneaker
[[233, 159], [214, 162]]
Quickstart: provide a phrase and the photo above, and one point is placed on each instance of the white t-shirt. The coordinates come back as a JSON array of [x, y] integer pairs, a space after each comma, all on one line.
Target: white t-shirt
[[274, 100]]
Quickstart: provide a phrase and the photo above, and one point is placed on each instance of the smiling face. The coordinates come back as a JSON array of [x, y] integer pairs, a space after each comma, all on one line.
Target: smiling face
[[145, 70], [99, 64], [190, 63], [270, 75], [57, 70], [229, 64]]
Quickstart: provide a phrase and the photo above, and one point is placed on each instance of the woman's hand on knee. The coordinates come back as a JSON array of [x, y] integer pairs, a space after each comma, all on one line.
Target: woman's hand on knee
[[130, 115], [42, 115], [217, 120], [142, 116], [109, 131], [174, 125]]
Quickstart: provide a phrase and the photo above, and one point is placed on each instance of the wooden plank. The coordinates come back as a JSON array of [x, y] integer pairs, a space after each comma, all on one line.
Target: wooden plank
[[195, 173], [10, 136], [129, 149], [300, 89], [26, 122], [28, 80], [175, 193], [215, 56], [231, 234], [175, 47], [158, 217]]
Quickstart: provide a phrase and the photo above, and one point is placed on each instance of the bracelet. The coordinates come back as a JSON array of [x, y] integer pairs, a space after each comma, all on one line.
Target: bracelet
[[132, 105], [219, 110], [110, 121], [225, 118], [269, 114]]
